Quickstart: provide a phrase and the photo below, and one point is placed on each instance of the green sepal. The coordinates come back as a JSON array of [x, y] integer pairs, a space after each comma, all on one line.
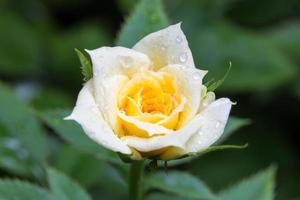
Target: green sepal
[[212, 86], [126, 158], [218, 148], [86, 66]]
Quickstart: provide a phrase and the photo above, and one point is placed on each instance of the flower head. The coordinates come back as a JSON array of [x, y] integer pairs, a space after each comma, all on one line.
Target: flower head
[[149, 101]]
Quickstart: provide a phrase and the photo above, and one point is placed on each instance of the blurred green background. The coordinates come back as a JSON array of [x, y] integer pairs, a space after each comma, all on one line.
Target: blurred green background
[[40, 77]]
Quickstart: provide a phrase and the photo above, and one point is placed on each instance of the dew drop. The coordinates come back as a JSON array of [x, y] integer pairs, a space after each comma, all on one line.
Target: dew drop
[[217, 124], [183, 67], [163, 47], [196, 76], [122, 112], [179, 39], [183, 57], [104, 143], [205, 103]]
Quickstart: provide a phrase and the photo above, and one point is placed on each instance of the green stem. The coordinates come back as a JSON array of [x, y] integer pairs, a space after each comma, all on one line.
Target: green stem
[[135, 180]]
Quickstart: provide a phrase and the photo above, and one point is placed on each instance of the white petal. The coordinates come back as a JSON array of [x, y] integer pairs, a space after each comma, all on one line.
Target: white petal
[[167, 46], [216, 113], [87, 114], [189, 82], [151, 129], [111, 61], [108, 93], [215, 119]]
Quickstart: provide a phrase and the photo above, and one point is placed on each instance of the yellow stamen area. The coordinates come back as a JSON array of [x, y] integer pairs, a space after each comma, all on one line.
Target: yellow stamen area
[[149, 97]]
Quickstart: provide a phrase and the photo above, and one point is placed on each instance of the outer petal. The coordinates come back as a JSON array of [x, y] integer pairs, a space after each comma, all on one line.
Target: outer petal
[[216, 116], [189, 82], [87, 114], [167, 46], [111, 67], [110, 61], [108, 99], [209, 125]]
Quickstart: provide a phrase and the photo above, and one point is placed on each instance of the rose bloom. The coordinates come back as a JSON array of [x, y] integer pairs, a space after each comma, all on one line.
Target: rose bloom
[[149, 101]]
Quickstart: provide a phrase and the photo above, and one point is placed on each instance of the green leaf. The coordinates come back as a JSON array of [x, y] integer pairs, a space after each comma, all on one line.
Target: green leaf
[[18, 190], [73, 162], [15, 158], [102, 174], [233, 124], [179, 183], [65, 188], [147, 17], [86, 66], [73, 133], [50, 98], [214, 85], [259, 187], [22, 137], [220, 147]]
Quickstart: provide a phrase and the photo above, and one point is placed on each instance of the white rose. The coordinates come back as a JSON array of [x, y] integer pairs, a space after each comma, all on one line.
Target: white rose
[[147, 102]]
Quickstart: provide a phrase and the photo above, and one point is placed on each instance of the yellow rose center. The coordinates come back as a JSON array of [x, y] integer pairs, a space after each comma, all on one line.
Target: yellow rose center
[[150, 97]]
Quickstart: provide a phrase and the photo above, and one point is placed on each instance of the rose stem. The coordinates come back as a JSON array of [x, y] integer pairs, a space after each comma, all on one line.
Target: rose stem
[[135, 180]]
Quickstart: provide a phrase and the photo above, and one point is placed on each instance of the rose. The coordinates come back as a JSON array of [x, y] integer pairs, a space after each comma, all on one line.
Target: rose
[[149, 101]]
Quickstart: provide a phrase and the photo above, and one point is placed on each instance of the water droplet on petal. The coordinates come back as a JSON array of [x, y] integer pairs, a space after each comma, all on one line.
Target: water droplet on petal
[[183, 57], [205, 103], [122, 112], [179, 39], [196, 76], [218, 124], [163, 47], [95, 74], [183, 67]]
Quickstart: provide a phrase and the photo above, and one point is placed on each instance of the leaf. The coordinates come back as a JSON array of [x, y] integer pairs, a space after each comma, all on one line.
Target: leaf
[[22, 137], [220, 147], [179, 183], [189, 157], [50, 98], [15, 158], [86, 66], [73, 163], [147, 17], [65, 188], [102, 174], [73, 133], [233, 124], [214, 85], [18, 190], [259, 187]]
